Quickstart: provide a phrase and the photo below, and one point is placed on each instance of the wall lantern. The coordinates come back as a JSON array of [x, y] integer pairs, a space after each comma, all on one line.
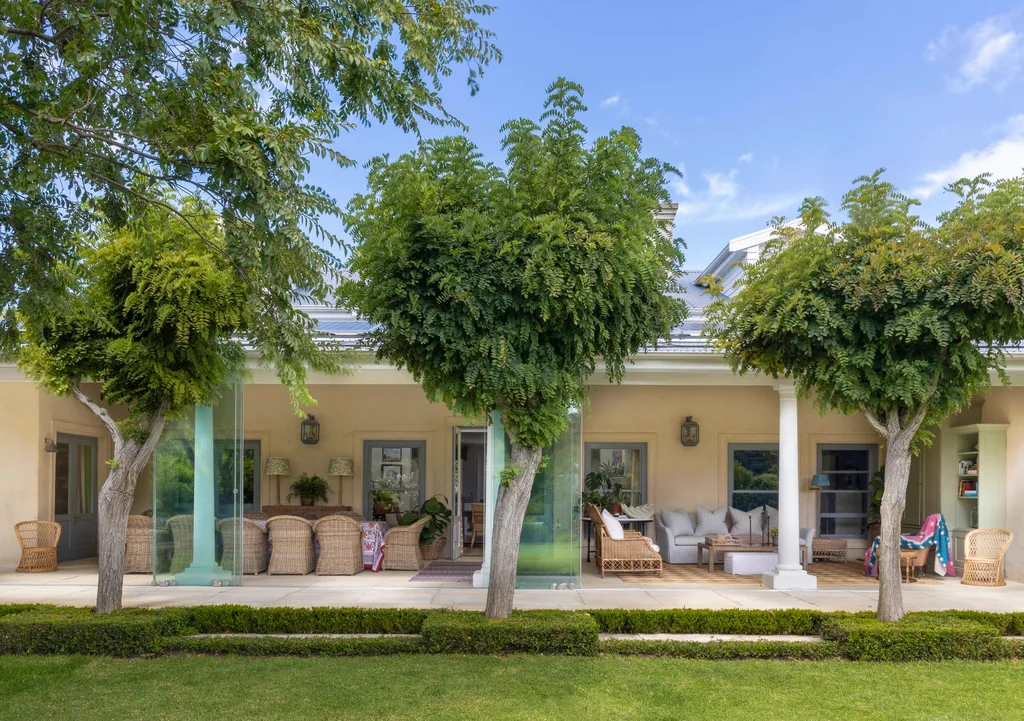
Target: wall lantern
[[309, 431], [689, 434]]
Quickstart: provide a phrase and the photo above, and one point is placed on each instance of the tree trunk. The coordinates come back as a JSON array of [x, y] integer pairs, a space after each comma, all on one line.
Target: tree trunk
[[894, 500], [115, 498], [509, 512]]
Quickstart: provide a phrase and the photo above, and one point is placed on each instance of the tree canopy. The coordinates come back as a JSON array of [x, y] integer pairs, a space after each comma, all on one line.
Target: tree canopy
[[104, 104], [500, 288]]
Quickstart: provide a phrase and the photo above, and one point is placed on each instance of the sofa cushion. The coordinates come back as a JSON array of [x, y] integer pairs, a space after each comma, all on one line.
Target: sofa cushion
[[772, 519], [678, 524], [710, 522], [612, 526], [741, 526], [688, 540]]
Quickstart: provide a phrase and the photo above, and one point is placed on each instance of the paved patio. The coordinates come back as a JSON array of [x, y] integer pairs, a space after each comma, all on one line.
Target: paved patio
[[75, 585]]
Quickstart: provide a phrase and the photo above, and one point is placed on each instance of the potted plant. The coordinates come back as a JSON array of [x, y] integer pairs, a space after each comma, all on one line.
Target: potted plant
[[309, 489], [875, 490], [383, 501], [603, 490], [433, 534]]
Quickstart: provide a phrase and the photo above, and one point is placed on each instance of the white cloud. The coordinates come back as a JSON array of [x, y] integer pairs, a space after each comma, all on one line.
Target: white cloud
[[1003, 159], [989, 52], [746, 158], [723, 199], [612, 101], [651, 121]]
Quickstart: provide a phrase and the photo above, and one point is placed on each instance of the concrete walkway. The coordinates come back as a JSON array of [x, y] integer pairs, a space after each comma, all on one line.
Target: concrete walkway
[[75, 585]]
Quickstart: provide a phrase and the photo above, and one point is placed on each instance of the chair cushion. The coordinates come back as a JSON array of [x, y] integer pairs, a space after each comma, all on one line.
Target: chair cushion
[[688, 540], [612, 526], [678, 524], [709, 522]]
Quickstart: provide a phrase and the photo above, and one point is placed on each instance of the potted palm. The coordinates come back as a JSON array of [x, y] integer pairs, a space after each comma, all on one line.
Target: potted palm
[[383, 501], [309, 489]]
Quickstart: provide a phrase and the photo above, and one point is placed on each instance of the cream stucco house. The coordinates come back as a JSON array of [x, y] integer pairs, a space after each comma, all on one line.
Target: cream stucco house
[[752, 430]]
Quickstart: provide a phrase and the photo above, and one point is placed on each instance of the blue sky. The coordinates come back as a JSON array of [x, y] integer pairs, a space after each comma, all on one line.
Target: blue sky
[[760, 105]]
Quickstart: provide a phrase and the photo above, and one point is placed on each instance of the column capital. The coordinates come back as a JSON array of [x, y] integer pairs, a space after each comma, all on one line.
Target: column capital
[[785, 390]]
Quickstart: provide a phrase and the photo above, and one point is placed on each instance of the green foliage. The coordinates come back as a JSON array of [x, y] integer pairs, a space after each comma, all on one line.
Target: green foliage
[[698, 620], [80, 631], [935, 638], [499, 288], [307, 486], [304, 646], [876, 488], [724, 650], [438, 512], [547, 632], [224, 101], [881, 313], [601, 487], [247, 619], [155, 320]]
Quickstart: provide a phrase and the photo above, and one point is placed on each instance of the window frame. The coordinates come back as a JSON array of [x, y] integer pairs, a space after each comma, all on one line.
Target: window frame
[[731, 463], [872, 449], [625, 445], [368, 447]]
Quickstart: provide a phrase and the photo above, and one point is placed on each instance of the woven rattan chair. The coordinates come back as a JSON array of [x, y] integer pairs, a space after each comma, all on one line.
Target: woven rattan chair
[[255, 515], [341, 546], [138, 545], [38, 540], [632, 554], [476, 522], [984, 549], [253, 548], [402, 547], [181, 533], [293, 551]]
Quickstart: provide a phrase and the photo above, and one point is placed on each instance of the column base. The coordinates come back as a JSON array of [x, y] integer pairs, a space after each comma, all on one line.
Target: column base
[[201, 575], [480, 578], [789, 580]]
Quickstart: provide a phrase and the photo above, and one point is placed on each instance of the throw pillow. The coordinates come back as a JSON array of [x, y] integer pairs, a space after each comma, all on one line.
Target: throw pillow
[[612, 526], [711, 522], [741, 526], [654, 546], [678, 524]]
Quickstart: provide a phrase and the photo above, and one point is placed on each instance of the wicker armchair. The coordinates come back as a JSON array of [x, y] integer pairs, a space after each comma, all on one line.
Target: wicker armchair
[[984, 549], [293, 552], [253, 548], [139, 544], [341, 546], [476, 525], [402, 547], [38, 541], [181, 533], [632, 554]]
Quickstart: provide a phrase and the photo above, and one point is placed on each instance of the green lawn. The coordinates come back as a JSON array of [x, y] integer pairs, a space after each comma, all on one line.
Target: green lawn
[[522, 687]]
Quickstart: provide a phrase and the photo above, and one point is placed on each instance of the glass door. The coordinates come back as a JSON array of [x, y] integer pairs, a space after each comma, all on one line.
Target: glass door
[[456, 525], [75, 496]]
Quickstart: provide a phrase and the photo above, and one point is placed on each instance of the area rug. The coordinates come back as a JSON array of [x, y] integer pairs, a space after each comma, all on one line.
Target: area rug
[[828, 573], [447, 572]]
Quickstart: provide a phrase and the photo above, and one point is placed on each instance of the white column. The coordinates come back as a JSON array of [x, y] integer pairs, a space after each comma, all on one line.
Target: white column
[[789, 574]]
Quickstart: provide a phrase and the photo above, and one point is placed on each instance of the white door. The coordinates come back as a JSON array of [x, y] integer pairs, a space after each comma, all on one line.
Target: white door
[[456, 526]]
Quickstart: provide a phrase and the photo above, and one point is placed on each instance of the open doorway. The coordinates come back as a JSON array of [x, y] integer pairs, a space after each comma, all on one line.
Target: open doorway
[[469, 490]]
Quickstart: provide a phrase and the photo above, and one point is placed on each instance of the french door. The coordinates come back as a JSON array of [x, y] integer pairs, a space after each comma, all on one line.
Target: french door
[[75, 496], [456, 526]]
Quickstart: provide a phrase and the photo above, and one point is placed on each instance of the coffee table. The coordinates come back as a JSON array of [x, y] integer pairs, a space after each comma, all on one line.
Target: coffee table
[[713, 548]]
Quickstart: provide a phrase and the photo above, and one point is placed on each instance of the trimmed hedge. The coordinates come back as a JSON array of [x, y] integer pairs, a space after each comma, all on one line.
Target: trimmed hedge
[[277, 646], [546, 632], [246, 619], [80, 631], [934, 638], [793, 622], [725, 650], [1008, 624]]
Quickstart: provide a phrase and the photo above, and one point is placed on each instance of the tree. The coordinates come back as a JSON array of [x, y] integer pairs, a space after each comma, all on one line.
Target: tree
[[155, 321], [110, 111], [887, 316], [500, 288], [220, 101]]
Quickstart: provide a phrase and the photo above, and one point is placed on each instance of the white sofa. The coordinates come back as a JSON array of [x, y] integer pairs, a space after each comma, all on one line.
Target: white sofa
[[683, 549]]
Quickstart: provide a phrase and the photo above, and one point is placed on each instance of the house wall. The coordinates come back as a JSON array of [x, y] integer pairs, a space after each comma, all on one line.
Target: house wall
[[20, 446], [1006, 405]]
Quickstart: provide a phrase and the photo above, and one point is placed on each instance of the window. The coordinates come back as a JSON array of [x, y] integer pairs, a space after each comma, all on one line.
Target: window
[[753, 475], [628, 464], [394, 475], [844, 504]]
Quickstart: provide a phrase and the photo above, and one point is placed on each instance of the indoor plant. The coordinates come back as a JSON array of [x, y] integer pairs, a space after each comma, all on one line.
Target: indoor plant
[[309, 489], [383, 501], [602, 489], [433, 534]]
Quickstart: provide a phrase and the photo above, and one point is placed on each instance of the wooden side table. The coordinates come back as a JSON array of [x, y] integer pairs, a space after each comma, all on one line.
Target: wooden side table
[[908, 559]]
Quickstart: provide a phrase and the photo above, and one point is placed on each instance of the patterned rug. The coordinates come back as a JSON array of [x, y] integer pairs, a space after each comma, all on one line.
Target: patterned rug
[[447, 572], [827, 573]]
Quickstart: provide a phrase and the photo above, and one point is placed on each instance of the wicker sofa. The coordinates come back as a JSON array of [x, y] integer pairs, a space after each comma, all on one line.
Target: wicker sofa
[[683, 549]]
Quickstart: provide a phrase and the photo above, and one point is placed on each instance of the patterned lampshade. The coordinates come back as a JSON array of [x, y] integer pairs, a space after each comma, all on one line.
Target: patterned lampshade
[[819, 481], [277, 466], [340, 467]]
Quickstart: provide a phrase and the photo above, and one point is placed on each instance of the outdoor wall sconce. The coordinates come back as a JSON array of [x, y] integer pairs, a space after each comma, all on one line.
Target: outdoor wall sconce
[[309, 431], [50, 446], [689, 433]]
